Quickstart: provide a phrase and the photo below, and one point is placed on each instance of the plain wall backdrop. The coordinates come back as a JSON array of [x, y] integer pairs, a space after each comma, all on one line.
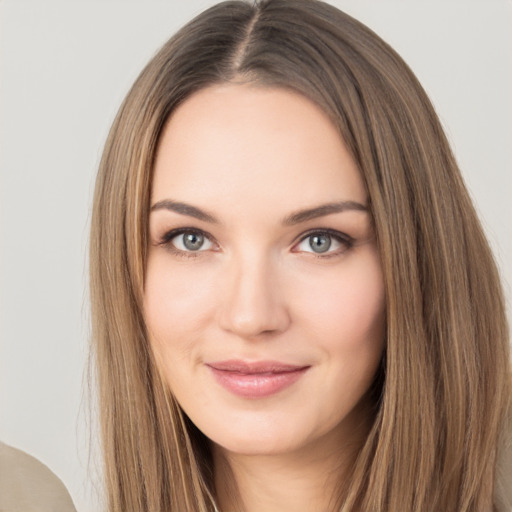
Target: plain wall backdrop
[[64, 69]]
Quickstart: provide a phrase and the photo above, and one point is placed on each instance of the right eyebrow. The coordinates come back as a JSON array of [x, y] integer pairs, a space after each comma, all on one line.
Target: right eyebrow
[[184, 209]]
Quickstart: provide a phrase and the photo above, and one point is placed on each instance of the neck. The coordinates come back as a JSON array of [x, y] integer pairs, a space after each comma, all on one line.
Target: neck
[[310, 478]]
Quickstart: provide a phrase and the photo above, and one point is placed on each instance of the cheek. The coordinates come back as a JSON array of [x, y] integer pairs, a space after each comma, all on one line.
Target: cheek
[[347, 320], [175, 299], [346, 308], [177, 306]]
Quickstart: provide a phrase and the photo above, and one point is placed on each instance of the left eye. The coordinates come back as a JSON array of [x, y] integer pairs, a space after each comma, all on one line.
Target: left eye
[[190, 241], [322, 243]]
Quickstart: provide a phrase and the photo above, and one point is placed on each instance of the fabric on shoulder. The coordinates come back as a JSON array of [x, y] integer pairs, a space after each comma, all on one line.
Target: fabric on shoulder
[[27, 485], [503, 482]]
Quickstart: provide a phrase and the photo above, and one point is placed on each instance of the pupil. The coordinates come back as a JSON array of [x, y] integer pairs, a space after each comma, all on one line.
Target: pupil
[[193, 241], [320, 243]]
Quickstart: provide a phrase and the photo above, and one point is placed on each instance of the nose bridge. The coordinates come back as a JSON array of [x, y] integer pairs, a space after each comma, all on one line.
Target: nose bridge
[[253, 303]]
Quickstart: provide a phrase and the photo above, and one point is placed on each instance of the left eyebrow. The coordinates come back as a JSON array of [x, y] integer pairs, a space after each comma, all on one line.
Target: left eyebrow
[[321, 210]]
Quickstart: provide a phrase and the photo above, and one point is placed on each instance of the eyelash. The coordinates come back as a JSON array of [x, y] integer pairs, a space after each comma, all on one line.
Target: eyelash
[[166, 241], [345, 240]]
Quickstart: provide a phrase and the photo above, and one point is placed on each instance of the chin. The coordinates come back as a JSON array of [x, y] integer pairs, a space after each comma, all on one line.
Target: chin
[[263, 435], [257, 446]]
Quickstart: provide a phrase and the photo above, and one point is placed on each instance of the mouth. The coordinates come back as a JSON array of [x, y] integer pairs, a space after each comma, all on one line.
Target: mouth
[[258, 379]]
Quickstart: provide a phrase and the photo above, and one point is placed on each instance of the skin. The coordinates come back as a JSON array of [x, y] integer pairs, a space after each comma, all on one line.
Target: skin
[[256, 290]]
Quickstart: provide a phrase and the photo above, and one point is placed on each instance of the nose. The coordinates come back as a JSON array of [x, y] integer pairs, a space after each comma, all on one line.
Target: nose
[[253, 304]]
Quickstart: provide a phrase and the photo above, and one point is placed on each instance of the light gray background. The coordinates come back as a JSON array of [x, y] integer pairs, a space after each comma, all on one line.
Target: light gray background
[[65, 67]]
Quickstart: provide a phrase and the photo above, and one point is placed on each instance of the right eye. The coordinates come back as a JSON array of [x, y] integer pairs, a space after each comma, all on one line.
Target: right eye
[[188, 240]]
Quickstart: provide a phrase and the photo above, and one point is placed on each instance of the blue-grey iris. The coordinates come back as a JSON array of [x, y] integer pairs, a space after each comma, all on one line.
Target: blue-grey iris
[[320, 243], [193, 241]]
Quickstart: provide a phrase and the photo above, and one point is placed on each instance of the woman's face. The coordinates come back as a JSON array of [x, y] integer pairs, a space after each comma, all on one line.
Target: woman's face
[[264, 294]]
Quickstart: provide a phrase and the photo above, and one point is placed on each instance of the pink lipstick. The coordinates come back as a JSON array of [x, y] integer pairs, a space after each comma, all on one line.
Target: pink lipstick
[[255, 379]]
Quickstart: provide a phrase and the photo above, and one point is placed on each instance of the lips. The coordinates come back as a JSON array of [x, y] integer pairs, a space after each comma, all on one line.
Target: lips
[[258, 379]]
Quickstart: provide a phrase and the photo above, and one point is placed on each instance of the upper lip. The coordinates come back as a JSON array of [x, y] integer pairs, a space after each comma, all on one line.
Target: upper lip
[[255, 367]]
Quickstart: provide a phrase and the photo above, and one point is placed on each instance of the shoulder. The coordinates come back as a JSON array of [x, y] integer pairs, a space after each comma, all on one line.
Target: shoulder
[[503, 483], [28, 485]]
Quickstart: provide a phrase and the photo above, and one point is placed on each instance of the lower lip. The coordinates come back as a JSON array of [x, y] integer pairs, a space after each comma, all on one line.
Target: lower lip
[[257, 385]]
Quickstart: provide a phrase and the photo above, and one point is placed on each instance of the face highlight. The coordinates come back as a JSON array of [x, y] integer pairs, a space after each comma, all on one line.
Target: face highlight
[[264, 295]]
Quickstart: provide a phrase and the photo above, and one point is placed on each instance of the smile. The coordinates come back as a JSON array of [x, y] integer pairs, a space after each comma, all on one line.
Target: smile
[[255, 380]]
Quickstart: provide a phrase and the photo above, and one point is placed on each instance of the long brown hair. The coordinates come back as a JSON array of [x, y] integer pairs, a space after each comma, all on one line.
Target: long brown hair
[[444, 385]]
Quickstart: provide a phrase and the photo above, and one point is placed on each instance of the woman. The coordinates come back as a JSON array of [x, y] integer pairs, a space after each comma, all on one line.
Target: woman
[[294, 305]]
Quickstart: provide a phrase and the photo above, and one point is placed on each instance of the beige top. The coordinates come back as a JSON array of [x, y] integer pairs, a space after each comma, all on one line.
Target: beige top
[[503, 486], [27, 485]]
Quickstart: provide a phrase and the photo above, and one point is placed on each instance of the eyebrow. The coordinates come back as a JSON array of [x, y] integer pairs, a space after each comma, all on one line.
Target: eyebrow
[[290, 220], [324, 209], [185, 209]]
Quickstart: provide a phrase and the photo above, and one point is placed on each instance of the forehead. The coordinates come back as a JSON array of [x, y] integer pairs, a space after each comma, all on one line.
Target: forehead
[[242, 143]]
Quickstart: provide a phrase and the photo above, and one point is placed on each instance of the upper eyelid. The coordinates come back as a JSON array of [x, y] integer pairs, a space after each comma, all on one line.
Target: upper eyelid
[[172, 233], [325, 231], [309, 232]]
